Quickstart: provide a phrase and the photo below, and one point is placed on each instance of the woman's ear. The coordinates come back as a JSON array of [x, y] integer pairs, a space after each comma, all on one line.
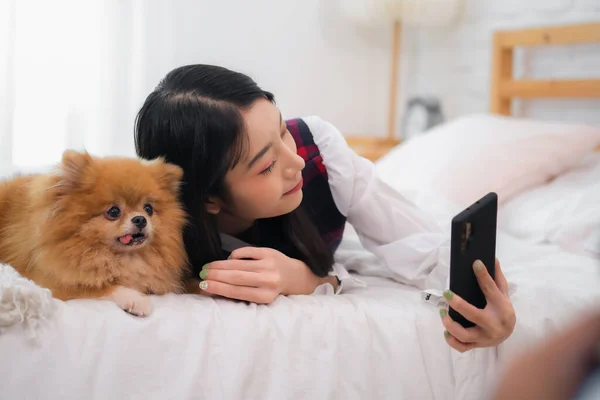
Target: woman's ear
[[213, 205]]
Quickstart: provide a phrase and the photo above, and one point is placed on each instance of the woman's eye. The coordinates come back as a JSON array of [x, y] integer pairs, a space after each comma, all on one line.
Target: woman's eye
[[268, 169]]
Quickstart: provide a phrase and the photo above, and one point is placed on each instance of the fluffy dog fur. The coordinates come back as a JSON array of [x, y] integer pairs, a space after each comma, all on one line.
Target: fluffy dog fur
[[61, 231]]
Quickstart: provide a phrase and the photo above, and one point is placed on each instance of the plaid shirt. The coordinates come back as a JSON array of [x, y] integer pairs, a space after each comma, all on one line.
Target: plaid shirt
[[317, 198]]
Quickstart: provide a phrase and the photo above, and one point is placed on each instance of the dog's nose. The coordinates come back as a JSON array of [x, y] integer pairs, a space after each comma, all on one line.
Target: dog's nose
[[139, 221]]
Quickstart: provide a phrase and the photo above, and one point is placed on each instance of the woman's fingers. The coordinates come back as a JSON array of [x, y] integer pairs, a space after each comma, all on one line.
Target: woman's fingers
[[486, 283], [457, 344], [465, 335], [251, 294], [493, 323], [193, 287], [500, 279], [242, 278], [476, 315], [239, 265], [496, 293], [254, 253]]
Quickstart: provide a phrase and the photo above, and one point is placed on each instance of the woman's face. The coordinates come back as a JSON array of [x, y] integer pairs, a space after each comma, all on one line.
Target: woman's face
[[268, 181]]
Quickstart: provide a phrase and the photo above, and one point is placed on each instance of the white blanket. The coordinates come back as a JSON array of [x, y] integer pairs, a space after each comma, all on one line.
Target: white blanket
[[377, 342]]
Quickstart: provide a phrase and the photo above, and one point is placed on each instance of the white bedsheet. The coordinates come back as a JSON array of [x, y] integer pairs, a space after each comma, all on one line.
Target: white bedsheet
[[379, 342]]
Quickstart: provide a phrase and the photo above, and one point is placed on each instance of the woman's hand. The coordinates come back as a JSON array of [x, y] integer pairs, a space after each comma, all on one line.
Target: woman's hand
[[258, 275], [494, 324], [555, 368]]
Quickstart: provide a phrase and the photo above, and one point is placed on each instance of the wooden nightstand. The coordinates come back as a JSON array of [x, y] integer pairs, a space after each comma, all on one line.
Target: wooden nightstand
[[371, 148]]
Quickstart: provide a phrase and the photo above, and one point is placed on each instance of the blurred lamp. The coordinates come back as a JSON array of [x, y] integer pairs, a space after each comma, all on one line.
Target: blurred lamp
[[422, 13]]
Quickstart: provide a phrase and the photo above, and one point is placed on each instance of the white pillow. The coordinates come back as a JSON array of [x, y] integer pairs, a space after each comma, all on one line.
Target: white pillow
[[565, 212], [470, 156]]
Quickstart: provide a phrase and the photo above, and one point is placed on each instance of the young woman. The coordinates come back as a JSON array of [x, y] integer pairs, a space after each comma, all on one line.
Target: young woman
[[268, 201]]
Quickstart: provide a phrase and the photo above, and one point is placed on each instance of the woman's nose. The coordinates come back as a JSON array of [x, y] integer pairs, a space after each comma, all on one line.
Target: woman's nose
[[294, 166]]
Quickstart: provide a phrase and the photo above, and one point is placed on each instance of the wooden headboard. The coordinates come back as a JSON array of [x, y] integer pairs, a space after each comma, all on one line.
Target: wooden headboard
[[504, 88]]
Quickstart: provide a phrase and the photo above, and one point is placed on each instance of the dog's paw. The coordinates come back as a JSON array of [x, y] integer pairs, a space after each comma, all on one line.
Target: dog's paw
[[140, 307], [132, 301]]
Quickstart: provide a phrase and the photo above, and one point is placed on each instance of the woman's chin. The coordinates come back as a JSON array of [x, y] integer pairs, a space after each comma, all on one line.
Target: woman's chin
[[290, 203], [296, 200]]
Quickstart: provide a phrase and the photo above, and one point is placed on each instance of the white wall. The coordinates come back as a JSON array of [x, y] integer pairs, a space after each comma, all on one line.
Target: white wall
[[318, 62], [76, 73], [85, 71], [454, 63], [305, 52]]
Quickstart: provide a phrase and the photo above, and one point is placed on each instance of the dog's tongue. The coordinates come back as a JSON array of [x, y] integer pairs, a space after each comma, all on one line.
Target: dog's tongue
[[125, 239]]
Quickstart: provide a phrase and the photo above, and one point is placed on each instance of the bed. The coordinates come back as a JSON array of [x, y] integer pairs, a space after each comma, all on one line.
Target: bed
[[380, 341]]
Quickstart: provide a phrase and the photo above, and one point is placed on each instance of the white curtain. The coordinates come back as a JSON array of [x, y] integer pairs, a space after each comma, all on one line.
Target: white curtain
[[73, 74]]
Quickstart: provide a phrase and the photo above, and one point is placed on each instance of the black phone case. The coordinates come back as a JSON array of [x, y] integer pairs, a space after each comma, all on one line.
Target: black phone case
[[473, 238]]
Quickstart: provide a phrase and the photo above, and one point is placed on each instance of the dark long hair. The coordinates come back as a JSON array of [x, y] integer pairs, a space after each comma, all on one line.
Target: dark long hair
[[193, 120]]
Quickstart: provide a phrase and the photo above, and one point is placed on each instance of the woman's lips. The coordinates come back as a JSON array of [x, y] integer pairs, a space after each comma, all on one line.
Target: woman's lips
[[295, 188]]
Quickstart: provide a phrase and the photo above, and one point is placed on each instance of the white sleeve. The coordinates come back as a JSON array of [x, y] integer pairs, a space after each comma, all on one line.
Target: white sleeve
[[344, 278], [411, 245]]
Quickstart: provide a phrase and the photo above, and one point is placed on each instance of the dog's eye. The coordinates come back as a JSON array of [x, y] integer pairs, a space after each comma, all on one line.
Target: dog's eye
[[113, 213], [148, 209]]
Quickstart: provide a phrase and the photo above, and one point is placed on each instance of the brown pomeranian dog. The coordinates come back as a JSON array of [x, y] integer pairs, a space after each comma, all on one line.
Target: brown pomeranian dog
[[108, 228]]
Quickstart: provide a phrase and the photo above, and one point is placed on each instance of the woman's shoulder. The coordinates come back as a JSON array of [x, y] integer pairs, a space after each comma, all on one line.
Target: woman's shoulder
[[313, 125], [323, 132], [314, 134], [316, 137], [335, 155], [330, 142]]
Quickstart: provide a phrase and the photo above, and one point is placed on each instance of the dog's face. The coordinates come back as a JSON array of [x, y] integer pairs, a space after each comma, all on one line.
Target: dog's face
[[119, 203], [129, 226]]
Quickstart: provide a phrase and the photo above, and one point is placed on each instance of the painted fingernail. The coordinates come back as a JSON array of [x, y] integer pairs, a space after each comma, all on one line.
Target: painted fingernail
[[203, 274], [203, 285], [447, 334], [478, 265], [443, 312], [204, 268], [448, 294]]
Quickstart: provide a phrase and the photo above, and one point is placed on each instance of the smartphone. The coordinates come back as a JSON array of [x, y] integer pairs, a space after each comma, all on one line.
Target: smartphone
[[473, 238]]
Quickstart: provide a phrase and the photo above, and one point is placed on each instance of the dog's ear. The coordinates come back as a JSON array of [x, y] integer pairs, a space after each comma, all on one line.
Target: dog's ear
[[72, 167], [169, 176]]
